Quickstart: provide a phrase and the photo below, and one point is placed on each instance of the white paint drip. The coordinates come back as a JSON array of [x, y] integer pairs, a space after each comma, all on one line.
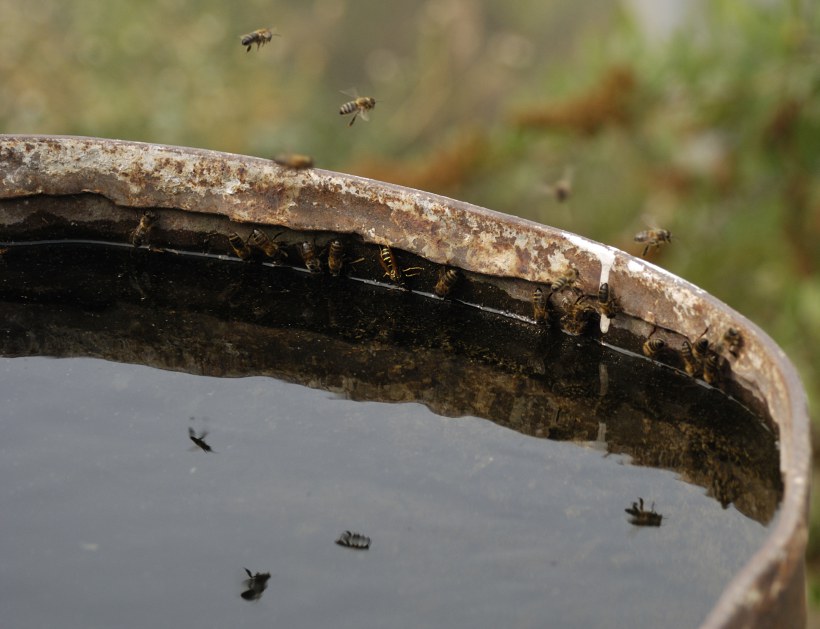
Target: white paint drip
[[605, 255]]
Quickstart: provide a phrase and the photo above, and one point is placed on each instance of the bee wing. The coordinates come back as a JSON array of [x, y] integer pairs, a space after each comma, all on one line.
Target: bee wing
[[191, 432], [351, 91], [364, 115]]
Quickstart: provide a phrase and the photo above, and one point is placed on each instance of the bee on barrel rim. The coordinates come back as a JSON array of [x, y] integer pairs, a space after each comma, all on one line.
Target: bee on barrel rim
[[239, 246], [359, 106], [260, 37], [539, 305], [310, 257], [260, 241], [140, 234], [447, 279]]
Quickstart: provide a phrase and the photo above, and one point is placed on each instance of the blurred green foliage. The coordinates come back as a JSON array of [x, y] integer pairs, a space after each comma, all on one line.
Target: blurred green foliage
[[712, 132]]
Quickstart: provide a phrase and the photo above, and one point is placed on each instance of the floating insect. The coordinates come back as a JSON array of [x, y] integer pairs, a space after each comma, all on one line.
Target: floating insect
[[260, 37], [359, 106], [239, 246], [356, 541], [653, 347], [567, 280], [733, 341], [391, 268], [260, 241], [296, 161], [255, 584], [447, 279], [310, 257], [140, 234], [642, 517], [539, 305], [200, 440], [562, 189], [653, 238]]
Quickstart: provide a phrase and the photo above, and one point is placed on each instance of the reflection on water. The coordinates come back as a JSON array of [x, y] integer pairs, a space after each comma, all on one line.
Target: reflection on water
[[112, 517]]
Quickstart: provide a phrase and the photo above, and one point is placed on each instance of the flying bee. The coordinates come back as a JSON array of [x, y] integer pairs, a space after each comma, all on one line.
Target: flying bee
[[260, 37], [653, 238], [733, 341], [691, 363], [310, 257], [255, 584], [140, 234], [642, 517], [261, 241], [567, 280], [359, 106], [239, 246], [539, 305], [447, 278], [562, 189], [296, 161], [391, 268], [653, 347], [356, 541], [200, 440]]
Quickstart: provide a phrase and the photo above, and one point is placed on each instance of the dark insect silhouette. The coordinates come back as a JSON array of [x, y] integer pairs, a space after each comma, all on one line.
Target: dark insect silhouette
[[357, 541], [255, 584], [200, 440], [642, 517]]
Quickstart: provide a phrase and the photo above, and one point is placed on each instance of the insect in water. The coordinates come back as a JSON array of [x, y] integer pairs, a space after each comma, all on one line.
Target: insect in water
[[356, 541], [140, 234], [359, 106], [199, 440], [642, 517], [447, 279], [255, 584], [260, 37]]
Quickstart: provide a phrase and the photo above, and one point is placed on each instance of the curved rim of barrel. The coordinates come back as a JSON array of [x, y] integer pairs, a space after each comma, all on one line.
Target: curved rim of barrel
[[256, 190]]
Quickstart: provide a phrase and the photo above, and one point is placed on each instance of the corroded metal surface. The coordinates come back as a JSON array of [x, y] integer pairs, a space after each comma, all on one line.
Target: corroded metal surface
[[103, 186]]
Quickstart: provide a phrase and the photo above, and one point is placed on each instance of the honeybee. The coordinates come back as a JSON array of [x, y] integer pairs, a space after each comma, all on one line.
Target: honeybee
[[255, 584], [653, 238], [239, 246], [261, 241], [359, 106], [577, 316], [335, 257], [642, 517], [200, 440], [297, 161], [140, 234], [653, 347], [447, 278], [733, 341], [539, 305], [562, 189], [311, 259], [712, 368], [691, 363], [567, 280], [260, 37], [607, 305], [357, 541], [391, 268]]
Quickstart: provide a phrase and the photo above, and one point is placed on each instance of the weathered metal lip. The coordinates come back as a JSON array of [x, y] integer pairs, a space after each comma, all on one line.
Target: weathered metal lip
[[768, 591]]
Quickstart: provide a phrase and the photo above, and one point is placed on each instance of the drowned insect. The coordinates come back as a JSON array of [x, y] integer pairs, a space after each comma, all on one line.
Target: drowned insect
[[653, 238], [567, 280], [296, 161], [140, 234], [561, 190], [539, 305], [391, 268], [359, 106], [447, 278], [260, 37], [260, 241], [310, 257], [733, 341], [200, 440], [356, 541], [642, 517], [255, 584], [239, 246]]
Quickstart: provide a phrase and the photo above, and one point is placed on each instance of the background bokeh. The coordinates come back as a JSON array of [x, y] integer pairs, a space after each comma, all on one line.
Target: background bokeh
[[702, 117]]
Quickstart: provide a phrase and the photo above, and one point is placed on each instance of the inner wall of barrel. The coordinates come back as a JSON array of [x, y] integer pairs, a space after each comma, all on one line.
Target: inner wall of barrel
[[94, 217]]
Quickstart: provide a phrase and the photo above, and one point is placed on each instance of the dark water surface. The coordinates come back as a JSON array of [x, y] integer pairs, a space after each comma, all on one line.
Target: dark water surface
[[113, 517]]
